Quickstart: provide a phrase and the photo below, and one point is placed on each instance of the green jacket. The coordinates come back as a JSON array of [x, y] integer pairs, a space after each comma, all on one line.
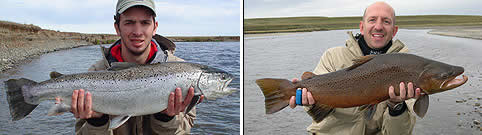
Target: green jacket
[[350, 121], [138, 125]]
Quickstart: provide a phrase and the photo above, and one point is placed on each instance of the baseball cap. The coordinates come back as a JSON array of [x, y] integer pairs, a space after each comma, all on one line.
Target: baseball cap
[[123, 5]]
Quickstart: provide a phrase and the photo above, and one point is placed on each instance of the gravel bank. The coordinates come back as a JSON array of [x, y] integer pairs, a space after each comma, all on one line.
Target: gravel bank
[[11, 56], [474, 32]]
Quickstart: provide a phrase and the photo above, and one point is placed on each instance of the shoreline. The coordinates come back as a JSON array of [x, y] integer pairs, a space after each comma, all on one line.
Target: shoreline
[[472, 32], [23, 42], [13, 57]]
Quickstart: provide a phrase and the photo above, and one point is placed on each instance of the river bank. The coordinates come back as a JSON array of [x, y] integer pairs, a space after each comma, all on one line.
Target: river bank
[[473, 32], [321, 23], [22, 42]]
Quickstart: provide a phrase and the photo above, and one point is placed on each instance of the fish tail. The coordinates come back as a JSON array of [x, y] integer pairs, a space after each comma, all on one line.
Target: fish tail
[[276, 93], [15, 97]]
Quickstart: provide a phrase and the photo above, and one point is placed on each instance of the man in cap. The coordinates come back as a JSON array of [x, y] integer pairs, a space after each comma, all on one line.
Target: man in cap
[[136, 25], [392, 117]]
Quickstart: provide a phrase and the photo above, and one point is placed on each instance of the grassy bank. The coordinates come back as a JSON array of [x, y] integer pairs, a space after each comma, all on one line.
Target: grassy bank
[[306, 24], [204, 39]]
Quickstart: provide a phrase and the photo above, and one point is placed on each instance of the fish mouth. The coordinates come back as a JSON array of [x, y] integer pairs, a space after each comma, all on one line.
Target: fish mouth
[[226, 84], [454, 82]]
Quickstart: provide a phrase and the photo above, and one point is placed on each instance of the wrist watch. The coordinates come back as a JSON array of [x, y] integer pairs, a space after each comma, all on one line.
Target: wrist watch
[[396, 107]]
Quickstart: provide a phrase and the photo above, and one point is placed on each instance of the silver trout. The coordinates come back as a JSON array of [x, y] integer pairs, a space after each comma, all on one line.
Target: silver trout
[[366, 82], [126, 89]]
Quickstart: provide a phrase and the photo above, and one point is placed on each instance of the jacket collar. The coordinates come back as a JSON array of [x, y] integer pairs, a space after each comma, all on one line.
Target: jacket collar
[[354, 48]]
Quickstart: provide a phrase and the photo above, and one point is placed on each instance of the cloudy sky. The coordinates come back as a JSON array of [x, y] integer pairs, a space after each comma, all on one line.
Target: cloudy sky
[[336, 8], [175, 17]]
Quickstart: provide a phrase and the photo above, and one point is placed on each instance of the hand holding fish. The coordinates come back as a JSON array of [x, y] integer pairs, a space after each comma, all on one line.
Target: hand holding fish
[[405, 94], [306, 97], [175, 105], [409, 93], [81, 106]]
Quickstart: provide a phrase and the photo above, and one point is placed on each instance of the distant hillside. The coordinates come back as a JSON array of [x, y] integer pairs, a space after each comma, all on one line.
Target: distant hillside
[[29, 32], [10, 31], [305, 24]]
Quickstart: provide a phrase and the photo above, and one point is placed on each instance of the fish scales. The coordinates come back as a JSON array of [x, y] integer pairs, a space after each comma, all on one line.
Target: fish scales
[[357, 84], [127, 90]]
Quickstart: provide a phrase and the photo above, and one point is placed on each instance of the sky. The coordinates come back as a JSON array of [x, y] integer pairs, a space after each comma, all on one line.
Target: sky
[[175, 17], [339, 8]]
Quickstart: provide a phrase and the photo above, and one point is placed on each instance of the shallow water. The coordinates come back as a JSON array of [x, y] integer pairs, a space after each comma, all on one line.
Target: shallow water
[[288, 56], [217, 116]]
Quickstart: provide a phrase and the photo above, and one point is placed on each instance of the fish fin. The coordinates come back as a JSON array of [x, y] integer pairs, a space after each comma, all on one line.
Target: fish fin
[[191, 105], [275, 93], [117, 121], [16, 100], [421, 105], [54, 74], [307, 75], [116, 66], [360, 61], [58, 109], [318, 112], [370, 111]]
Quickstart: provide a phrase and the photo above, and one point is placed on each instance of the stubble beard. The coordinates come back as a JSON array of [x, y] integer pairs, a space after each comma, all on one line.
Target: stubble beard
[[134, 52]]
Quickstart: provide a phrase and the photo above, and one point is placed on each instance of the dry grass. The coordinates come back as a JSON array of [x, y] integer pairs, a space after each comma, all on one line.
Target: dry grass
[[16, 27], [204, 38], [304, 24]]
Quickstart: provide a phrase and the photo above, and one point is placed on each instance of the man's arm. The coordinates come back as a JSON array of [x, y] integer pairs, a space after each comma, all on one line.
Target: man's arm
[[173, 119], [393, 116], [179, 124]]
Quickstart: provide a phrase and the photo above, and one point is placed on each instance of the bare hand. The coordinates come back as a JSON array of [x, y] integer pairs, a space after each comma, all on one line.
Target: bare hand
[[405, 93], [82, 108], [306, 97], [175, 105]]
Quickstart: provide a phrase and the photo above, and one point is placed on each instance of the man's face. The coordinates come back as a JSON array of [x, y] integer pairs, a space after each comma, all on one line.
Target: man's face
[[378, 27], [136, 28]]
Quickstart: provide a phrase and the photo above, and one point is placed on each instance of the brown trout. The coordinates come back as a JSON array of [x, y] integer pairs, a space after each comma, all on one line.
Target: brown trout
[[366, 82]]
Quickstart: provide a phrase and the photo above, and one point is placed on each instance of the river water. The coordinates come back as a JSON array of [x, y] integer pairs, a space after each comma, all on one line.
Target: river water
[[216, 115], [288, 56]]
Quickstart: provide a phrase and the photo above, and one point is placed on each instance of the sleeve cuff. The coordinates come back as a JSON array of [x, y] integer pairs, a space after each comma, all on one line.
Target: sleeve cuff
[[163, 117], [97, 122], [395, 113]]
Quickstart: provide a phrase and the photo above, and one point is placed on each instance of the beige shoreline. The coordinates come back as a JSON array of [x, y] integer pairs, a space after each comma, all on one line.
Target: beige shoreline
[[473, 32], [11, 57]]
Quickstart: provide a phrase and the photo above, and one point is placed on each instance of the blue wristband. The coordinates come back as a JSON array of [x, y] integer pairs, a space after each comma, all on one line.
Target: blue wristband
[[298, 96]]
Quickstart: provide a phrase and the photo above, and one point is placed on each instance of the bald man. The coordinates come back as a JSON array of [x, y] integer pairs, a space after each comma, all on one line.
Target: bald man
[[392, 117]]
